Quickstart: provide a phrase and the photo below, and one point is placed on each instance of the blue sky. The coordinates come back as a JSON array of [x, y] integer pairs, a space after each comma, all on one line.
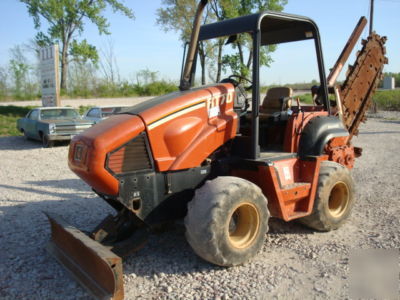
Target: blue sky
[[141, 43]]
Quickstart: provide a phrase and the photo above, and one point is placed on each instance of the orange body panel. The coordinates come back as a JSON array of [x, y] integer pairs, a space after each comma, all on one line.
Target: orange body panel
[[200, 122], [289, 185], [295, 126], [182, 132]]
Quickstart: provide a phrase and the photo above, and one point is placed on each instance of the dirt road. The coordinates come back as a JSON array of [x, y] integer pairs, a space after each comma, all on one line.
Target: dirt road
[[294, 263]]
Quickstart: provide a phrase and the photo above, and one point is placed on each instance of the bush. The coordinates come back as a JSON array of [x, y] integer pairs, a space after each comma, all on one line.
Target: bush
[[156, 88], [387, 99], [305, 98], [125, 89]]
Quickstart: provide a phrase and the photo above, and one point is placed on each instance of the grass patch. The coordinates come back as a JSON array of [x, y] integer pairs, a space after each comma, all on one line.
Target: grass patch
[[387, 100], [84, 108], [8, 119], [305, 98]]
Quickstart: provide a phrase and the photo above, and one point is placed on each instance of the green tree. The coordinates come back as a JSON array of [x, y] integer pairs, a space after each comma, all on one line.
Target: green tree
[[19, 69], [146, 76], [227, 9], [3, 83], [82, 79], [178, 15], [66, 20]]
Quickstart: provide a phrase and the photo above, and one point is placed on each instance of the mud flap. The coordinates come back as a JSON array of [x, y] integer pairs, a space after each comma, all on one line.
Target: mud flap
[[93, 265]]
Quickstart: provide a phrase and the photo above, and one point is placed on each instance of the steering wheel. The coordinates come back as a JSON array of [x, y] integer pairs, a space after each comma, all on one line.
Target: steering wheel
[[236, 83]]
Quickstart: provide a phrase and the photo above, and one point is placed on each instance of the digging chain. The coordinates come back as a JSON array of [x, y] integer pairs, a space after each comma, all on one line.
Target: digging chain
[[361, 82]]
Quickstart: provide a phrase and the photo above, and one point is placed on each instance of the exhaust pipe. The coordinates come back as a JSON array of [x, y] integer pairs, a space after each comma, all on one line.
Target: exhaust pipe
[[185, 80]]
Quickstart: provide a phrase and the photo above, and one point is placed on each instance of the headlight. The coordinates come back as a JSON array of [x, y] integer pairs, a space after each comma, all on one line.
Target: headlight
[[52, 127], [80, 153]]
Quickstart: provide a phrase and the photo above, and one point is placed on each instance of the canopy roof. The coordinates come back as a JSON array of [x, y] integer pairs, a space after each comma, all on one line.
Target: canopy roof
[[275, 27]]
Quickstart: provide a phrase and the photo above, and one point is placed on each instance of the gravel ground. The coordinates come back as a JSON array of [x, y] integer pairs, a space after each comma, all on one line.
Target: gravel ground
[[294, 263]]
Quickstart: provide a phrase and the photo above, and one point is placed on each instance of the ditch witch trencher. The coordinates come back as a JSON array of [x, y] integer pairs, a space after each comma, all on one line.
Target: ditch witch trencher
[[224, 160]]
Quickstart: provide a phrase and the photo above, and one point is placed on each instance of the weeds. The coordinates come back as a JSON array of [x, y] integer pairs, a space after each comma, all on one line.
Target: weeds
[[387, 99], [8, 119]]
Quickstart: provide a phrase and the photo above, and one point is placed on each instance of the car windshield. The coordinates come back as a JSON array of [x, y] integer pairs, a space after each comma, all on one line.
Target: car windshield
[[58, 113], [108, 111]]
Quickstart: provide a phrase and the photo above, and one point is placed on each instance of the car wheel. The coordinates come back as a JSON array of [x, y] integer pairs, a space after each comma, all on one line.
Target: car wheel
[[46, 142], [25, 135]]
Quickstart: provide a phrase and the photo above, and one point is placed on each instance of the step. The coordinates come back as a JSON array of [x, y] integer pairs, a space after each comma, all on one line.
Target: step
[[295, 191]]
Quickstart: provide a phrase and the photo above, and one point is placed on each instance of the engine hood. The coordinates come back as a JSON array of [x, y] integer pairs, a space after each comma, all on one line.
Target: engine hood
[[88, 150]]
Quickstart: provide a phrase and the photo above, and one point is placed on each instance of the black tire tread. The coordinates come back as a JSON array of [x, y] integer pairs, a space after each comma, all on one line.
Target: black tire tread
[[202, 221]]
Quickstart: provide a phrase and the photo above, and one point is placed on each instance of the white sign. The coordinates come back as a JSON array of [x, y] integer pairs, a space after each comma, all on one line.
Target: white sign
[[49, 76]]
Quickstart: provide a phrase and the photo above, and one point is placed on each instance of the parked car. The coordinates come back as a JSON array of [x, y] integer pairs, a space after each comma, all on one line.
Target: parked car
[[51, 124], [99, 113]]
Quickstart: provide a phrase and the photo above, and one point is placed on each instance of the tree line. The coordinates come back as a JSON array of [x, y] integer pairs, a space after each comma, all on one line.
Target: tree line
[[63, 22], [20, 78], [87, 71]]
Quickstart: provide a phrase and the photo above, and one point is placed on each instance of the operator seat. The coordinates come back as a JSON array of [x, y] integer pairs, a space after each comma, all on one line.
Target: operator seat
[[277, 100], [273, 117]]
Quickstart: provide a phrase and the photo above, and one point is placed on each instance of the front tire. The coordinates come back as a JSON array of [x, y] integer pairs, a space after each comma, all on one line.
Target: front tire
[[227, 221], [25, 135], [334, 199], [46, 142]]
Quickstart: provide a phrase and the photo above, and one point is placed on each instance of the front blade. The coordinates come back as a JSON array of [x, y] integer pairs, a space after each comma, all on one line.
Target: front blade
[[94, 266]]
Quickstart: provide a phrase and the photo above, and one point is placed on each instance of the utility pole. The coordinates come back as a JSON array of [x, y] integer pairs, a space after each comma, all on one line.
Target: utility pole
[[371, 17]]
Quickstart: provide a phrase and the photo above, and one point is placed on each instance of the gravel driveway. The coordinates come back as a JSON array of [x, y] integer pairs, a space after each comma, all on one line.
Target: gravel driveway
[[294, 263]]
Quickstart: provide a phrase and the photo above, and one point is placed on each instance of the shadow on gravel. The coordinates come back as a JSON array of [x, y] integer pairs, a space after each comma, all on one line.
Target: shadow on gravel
[[379, 132], [391, 121], [167, 253], [74, 184], [68, 183], [18, 143], [21, 143], [278, 226]]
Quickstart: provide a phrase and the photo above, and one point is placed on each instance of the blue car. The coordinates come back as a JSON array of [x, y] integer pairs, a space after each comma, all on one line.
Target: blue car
[[51, 124]]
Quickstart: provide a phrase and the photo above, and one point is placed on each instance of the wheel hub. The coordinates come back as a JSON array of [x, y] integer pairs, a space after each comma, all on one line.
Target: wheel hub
[[338, 199], [244, 224]]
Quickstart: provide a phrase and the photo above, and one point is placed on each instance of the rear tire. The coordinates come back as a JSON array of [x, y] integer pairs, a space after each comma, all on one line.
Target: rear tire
[[334, 199], [46, 142], [227, 221]]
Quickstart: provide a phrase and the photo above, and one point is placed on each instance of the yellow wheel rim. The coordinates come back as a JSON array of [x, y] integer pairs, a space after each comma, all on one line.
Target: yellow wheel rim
[[338, 199], [243, 225]]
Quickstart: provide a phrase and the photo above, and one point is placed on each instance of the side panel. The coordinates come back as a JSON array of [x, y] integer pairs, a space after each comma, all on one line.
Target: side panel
[[295, 127], [31, 128], [42, 127], [184, 131], [289, 185]]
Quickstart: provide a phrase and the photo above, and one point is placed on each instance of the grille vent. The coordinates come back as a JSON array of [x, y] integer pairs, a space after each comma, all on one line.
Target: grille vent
[[133, 156]]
